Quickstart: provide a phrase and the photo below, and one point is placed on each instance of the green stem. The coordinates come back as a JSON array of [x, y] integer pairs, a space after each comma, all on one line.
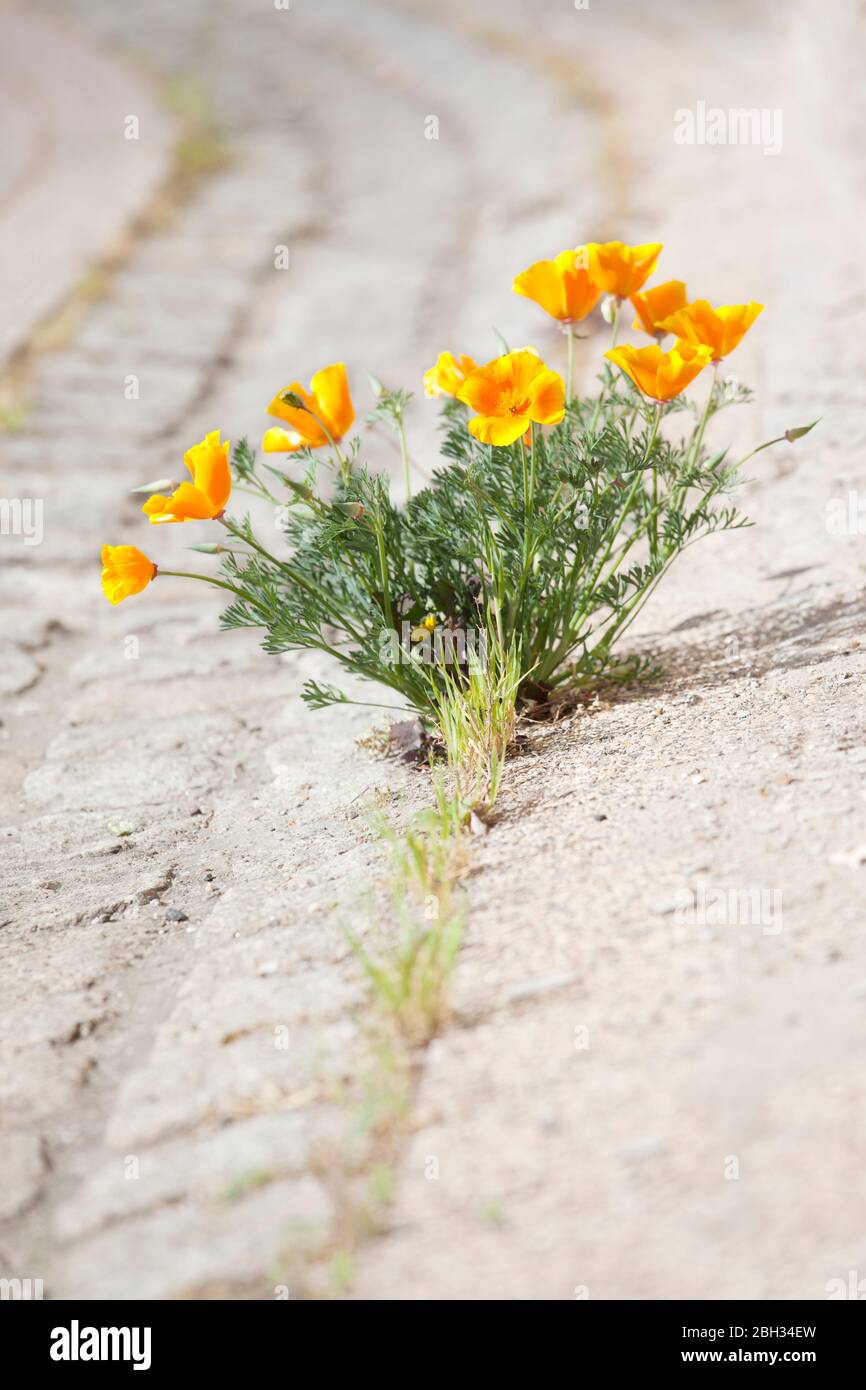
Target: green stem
[[264, 491], [375, 704], [630, 612], [344, 463], [616, 314], [404, 453], [217, 583], [383, 570], [528, 496], [533, 429], [699, 433], [566, 645], [697, 441], [787, 438], [615, 333], [569, 381], [339, 619], [630, 496]]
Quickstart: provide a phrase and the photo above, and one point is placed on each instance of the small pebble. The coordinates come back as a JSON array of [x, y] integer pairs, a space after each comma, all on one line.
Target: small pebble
[[174, 914]]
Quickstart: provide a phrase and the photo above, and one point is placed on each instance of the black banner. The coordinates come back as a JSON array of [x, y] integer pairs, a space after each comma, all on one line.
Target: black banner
[[69, 1339]]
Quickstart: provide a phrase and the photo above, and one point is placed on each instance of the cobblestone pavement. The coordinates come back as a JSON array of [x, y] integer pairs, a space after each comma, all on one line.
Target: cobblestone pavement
[[73, 172], [604, 1067]]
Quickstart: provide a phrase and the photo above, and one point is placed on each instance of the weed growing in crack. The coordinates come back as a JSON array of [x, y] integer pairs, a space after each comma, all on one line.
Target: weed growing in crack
[[409, 956], [475, 716], [548, 524]]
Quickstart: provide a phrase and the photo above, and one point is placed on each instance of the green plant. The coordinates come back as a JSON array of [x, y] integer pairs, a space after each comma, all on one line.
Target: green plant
[[546, 528], [553, 547], [409, 958], [475, 716]]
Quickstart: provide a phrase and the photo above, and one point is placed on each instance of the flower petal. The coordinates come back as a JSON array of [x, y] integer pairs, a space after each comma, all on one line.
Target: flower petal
[[481, 391], [657, 304], [125, 571], [498, 429], [639, 364], [303, 421], [547, 398], [333, 401], [736, 321], [446, 377], [211, 472], [277, 441], [187, 503], [619, 269], [543, 284]]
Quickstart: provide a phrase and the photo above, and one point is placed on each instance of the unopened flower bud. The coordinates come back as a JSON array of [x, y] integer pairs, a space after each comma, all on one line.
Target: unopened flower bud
[[160, 485], [799, 431]]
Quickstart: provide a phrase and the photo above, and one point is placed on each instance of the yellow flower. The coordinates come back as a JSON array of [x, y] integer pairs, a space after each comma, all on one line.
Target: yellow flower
[[720, 329], [619, 269], [125, 571], [656, 304], [206, 496], [329, 412], [424, 628], [448, 375], [562, 287], [661, 375], [510, 392]]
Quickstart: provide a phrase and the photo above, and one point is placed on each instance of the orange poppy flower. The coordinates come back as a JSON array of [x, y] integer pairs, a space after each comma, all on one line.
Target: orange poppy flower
[[206, 496], [661, 375], [125, 571], [448, 374], [329, 412], [562, 287], [619, 269], [656, 304], [720, 329], [509, 393]]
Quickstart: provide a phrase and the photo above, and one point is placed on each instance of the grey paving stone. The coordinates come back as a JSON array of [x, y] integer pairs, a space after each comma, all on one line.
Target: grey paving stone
[[250, 1240], [68, 166], [109, 767], [205, 1169], [22, 1170]]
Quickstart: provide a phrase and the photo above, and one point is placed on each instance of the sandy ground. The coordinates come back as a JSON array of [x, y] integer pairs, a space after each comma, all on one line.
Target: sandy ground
[[630, 1102]]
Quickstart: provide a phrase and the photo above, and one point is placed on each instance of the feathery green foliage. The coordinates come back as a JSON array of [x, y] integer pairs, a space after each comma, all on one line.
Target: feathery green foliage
[[546, 549]]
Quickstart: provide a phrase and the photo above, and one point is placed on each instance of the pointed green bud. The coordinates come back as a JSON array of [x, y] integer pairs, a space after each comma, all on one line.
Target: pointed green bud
[[160, 485], [799, 431]]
